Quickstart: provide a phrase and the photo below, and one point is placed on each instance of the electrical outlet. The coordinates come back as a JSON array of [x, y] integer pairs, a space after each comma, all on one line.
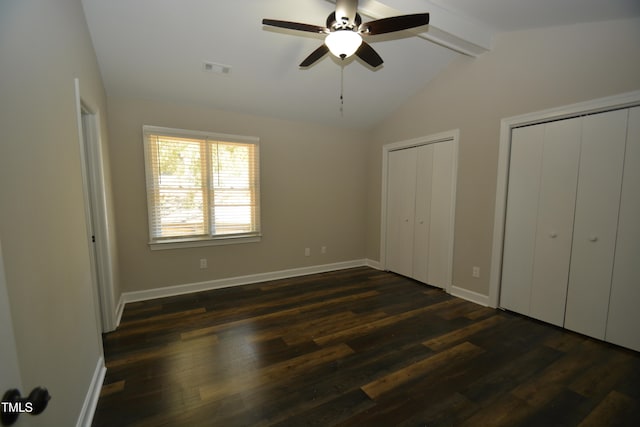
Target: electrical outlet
[[475, 272], [323, 250], [307, 251], [203, 263]]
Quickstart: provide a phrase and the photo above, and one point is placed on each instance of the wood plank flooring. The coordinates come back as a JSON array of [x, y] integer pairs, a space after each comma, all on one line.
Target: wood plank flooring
[[356, 347]]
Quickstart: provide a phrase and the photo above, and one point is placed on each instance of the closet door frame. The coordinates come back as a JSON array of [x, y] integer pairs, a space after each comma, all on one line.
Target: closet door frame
[[625, 100], [451, 136]]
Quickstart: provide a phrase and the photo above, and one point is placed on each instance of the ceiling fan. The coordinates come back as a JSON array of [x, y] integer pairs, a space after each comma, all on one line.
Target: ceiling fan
[[345, 30]]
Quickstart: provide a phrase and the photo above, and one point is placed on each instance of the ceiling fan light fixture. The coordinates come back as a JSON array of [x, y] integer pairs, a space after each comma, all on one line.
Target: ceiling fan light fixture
[[345, 32], [343, 43]]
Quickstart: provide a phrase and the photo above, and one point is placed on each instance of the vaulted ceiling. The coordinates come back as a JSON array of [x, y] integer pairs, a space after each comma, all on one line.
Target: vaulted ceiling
[[156, 49]]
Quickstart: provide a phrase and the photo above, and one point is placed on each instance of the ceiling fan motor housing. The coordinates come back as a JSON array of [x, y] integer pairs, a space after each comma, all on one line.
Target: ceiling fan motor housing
[[343, 23]]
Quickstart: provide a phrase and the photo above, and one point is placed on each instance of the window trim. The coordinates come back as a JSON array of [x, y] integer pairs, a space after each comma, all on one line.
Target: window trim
[[199, 241]]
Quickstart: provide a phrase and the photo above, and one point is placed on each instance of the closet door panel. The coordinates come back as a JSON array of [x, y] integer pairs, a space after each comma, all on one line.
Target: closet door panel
[[440, 243], [624, 313], [596, 220], [556, 205], [401, 188], [422, 232], [520, 224]]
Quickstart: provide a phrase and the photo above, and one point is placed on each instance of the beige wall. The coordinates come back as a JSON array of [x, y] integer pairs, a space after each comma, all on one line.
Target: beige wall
[[44, 45], [313, 194], [524, 72]]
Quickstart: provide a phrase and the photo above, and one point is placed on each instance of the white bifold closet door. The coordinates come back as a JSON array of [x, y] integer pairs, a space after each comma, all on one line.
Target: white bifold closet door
[[419, 212], [596, 222], [422, 226], [571, 253], [401, 190], [624, 313], [440, 253], [539, 222]]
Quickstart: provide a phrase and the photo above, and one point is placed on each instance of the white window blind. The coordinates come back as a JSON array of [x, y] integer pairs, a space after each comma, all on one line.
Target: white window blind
[[201, 186]]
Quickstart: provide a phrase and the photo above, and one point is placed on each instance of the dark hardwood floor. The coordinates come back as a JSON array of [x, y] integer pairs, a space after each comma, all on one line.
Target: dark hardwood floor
[[356, 347]]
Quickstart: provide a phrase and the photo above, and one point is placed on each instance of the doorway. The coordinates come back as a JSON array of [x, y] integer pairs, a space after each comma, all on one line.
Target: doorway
[[96, 211], [507, 125], [418, 208]]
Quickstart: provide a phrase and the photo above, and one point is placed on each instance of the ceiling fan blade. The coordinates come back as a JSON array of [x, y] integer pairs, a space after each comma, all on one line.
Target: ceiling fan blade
[[368, 55], [295, 26], [315, 55], [346, 9], [394, 23]]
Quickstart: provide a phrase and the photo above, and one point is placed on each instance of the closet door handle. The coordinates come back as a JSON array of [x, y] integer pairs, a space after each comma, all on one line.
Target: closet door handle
[[593, 238], [553, 234]]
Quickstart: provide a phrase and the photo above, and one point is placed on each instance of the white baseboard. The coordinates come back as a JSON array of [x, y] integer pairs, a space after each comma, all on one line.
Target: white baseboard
[[470, 296], [187, 288], [91, 400], [119, 311], [373, 264]]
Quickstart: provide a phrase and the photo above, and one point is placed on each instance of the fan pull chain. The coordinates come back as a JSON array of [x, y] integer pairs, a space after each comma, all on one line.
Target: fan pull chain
[[342, 90]]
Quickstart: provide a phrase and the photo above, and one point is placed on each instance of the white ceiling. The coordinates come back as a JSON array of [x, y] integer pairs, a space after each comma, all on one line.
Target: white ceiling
[[156, 48]]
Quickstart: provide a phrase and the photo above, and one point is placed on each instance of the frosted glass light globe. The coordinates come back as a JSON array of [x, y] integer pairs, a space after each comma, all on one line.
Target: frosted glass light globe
[[343, 43]]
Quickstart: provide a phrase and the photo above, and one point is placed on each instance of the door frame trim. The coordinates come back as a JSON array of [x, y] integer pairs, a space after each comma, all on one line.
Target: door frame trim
[[624, 100], [454, 137], [94, 192]]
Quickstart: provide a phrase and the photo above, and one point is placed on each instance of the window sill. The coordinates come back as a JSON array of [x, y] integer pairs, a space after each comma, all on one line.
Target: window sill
[[196, 243]]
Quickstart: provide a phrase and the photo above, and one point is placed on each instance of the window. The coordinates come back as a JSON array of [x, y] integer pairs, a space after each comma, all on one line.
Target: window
[[202, 188]]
